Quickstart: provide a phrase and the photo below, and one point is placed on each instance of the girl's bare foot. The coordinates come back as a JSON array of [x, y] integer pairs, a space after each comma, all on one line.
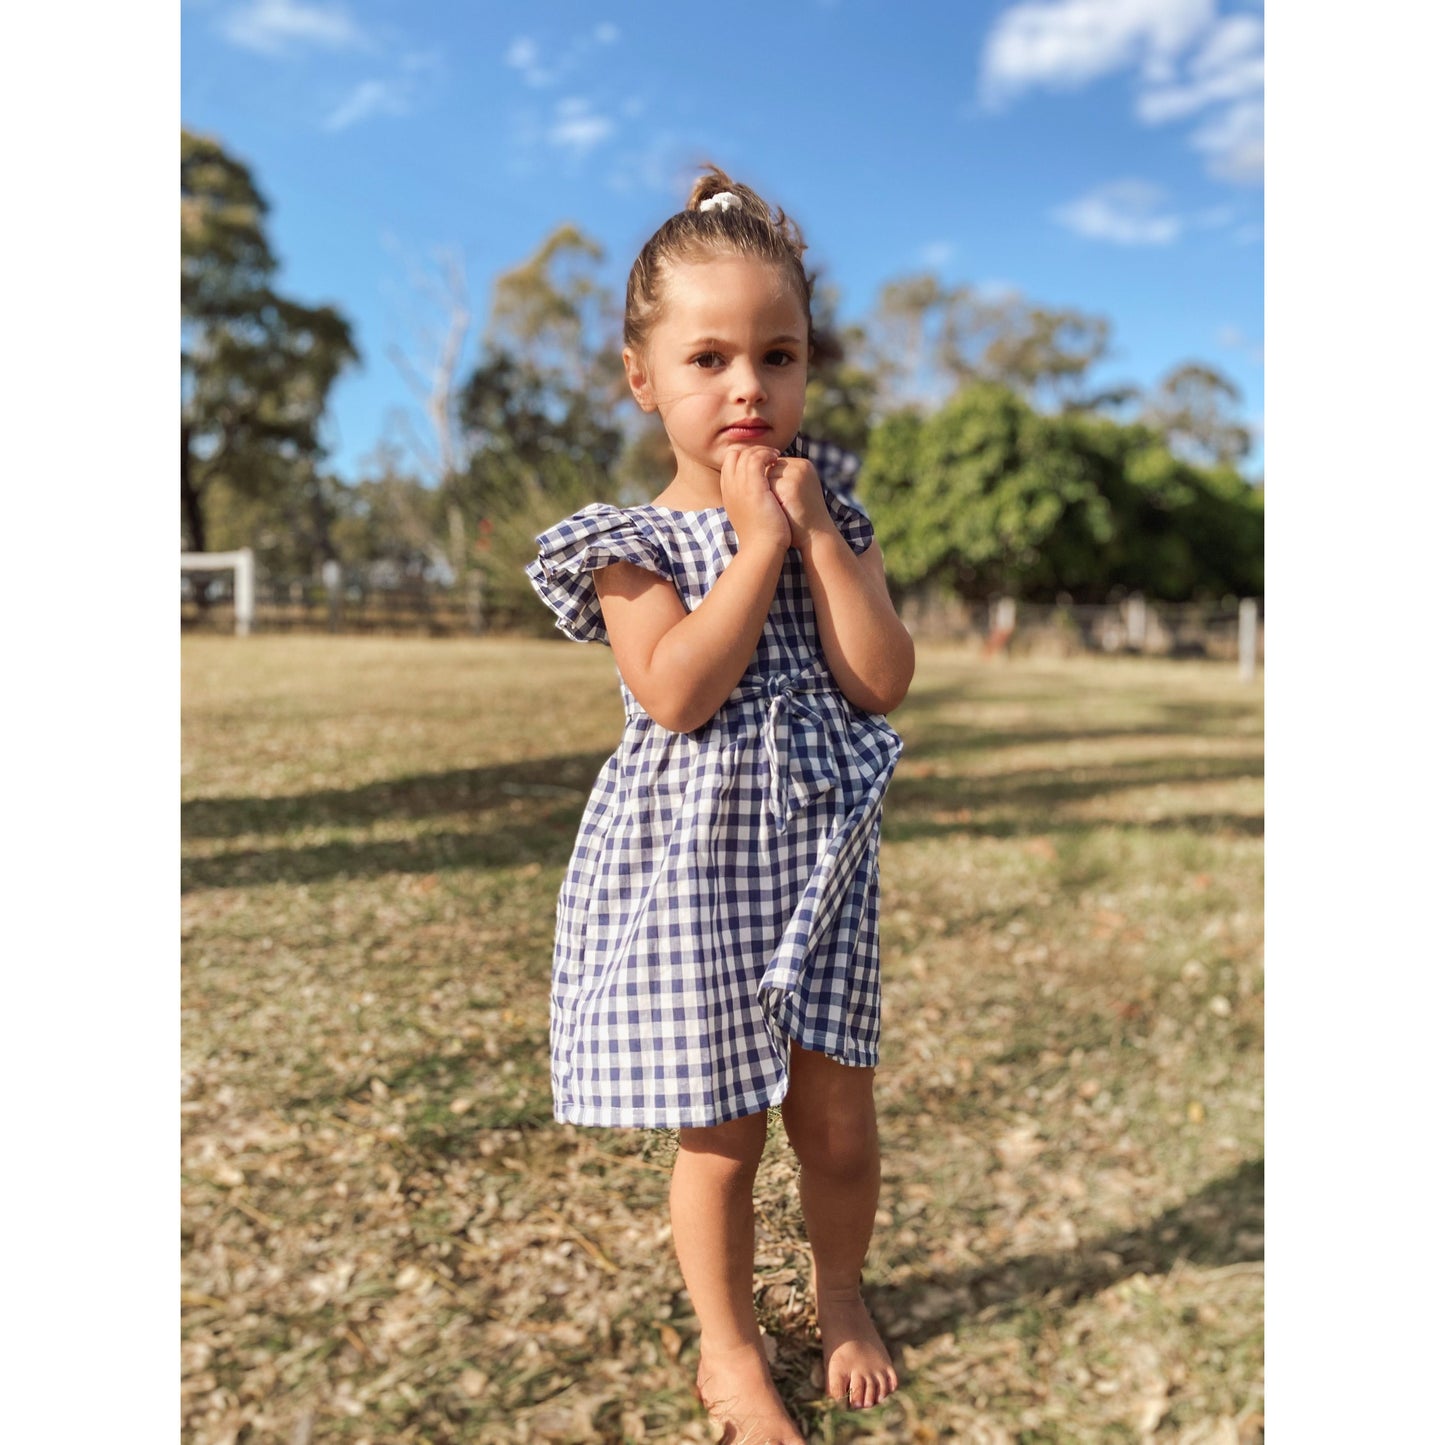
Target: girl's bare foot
[[856, 1363], [737, 1388]]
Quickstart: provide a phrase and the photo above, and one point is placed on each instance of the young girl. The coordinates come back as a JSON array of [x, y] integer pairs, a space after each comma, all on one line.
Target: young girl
[[717, 929]]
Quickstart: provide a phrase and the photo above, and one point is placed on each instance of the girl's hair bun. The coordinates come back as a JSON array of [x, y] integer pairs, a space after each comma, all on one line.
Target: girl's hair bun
[[717, 182], [744, 224]]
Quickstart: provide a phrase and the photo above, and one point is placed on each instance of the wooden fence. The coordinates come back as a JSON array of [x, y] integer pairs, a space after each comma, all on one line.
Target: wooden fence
[[1227, 631]]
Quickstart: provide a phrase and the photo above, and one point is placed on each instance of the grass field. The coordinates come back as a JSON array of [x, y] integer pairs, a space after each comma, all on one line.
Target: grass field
[[388, 1240]]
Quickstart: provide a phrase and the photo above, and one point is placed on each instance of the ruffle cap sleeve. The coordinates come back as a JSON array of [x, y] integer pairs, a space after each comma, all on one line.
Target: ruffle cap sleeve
[[569, 553], [852, 521]]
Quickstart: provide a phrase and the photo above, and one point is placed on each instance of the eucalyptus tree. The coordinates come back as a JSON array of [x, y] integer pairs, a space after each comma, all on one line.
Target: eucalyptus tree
[[256, 366]]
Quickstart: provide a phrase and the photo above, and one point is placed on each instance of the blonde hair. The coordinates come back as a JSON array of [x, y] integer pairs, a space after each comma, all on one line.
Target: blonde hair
[[749, 228]]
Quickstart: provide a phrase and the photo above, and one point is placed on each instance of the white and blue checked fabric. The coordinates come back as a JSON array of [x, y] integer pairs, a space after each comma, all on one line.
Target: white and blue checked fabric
[[722, 896]]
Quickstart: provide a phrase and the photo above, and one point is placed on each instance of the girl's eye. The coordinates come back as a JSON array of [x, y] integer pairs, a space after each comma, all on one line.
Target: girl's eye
[[707, 359], [779, 358]]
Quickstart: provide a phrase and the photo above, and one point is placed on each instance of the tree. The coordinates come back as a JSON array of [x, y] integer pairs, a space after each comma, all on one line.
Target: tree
[[908, 344], [256, 367], [842, 393], [430, 371], [1196, 408], [927, 341], [394, 519], [1182, 531], [983, 497], [1047, 354], [986, 495], [540, 413]]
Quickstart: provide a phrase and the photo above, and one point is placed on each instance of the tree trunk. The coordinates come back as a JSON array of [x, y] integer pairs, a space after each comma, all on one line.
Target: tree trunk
[[191, 516]]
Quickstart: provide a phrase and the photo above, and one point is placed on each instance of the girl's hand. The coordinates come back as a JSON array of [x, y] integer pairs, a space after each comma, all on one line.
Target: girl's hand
[[756, 514], [800, 493]]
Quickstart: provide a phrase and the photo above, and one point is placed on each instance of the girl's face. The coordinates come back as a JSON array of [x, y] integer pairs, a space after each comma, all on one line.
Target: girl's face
[[726, 363]]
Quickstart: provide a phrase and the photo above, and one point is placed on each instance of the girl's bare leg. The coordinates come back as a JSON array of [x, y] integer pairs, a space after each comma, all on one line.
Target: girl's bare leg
[[712, 1229], [832, 1126]]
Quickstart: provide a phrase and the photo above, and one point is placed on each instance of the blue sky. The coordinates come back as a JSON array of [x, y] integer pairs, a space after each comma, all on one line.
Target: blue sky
[[1100, 154]]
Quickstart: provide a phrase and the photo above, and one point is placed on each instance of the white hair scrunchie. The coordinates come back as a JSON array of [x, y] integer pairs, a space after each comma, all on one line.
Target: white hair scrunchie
[[723, 201]]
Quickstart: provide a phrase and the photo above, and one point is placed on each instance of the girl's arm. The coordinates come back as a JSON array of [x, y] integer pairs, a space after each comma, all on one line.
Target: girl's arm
[[868, 649], [681, 665]]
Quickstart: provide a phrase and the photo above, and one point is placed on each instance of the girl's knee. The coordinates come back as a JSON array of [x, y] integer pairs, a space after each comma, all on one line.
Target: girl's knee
[[736, 1145], [842, 1147]]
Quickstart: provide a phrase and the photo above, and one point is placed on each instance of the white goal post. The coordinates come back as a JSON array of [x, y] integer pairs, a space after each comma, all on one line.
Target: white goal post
[[244, 563]]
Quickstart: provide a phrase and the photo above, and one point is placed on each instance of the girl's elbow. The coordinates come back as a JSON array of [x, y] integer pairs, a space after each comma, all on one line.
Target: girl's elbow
[[670, 717], [880, 700], [893, 699], [677, 712], [901, 680]]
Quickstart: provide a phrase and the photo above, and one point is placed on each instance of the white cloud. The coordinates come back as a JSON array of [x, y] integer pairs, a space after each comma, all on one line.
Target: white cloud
[[1066, 43], [1233, 142], [936, 253], [662, 165], [1189, 62], [525, 55], [1126, 212], [576, 127], [274, 27], [371, 97], [1225, 80], [1232, 337], [541, 70]]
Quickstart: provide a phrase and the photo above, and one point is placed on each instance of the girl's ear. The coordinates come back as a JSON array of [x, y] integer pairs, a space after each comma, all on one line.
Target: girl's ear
[[637, 379]]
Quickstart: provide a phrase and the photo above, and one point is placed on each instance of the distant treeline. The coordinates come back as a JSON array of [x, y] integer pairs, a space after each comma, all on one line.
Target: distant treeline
[[992, 462]]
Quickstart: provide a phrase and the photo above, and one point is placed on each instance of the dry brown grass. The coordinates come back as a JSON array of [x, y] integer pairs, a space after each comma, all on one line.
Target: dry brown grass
[[387, 1239]]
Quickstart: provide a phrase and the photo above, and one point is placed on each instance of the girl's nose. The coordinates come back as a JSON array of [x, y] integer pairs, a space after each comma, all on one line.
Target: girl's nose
[[749, 383]]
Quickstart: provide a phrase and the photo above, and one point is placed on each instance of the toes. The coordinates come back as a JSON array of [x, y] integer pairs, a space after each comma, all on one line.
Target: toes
[[862, 1391], [866, 1391]]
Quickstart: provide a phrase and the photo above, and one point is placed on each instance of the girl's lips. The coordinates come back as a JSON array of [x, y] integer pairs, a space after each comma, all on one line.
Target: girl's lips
[[746, 430]]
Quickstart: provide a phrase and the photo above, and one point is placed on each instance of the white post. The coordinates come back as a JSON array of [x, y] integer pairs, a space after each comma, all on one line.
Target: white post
[[331, 580], [1248, 637], [1136, 621], [245, 591]]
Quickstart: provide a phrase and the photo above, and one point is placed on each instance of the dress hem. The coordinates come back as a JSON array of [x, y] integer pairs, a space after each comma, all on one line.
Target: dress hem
[[595, 1118]]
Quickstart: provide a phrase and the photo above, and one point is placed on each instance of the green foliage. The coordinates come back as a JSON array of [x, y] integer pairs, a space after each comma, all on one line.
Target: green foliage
[[843, 393], [291, 529], [393, 518], [987, 495], [540, 415], [256, 367]]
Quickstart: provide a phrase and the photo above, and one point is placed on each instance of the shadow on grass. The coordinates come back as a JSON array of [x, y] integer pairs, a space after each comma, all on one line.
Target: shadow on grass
[[1031, 825], [546, 838], [422, 795], [929, 735], [930, 807], [1222, 1224], [527, 812]]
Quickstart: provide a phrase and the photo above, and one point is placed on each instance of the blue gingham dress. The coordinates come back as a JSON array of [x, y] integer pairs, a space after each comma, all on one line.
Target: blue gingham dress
[[722, 896]]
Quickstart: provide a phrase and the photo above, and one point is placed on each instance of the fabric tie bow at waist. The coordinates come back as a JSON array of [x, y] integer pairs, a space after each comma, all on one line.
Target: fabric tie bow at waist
[[796, 738]]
